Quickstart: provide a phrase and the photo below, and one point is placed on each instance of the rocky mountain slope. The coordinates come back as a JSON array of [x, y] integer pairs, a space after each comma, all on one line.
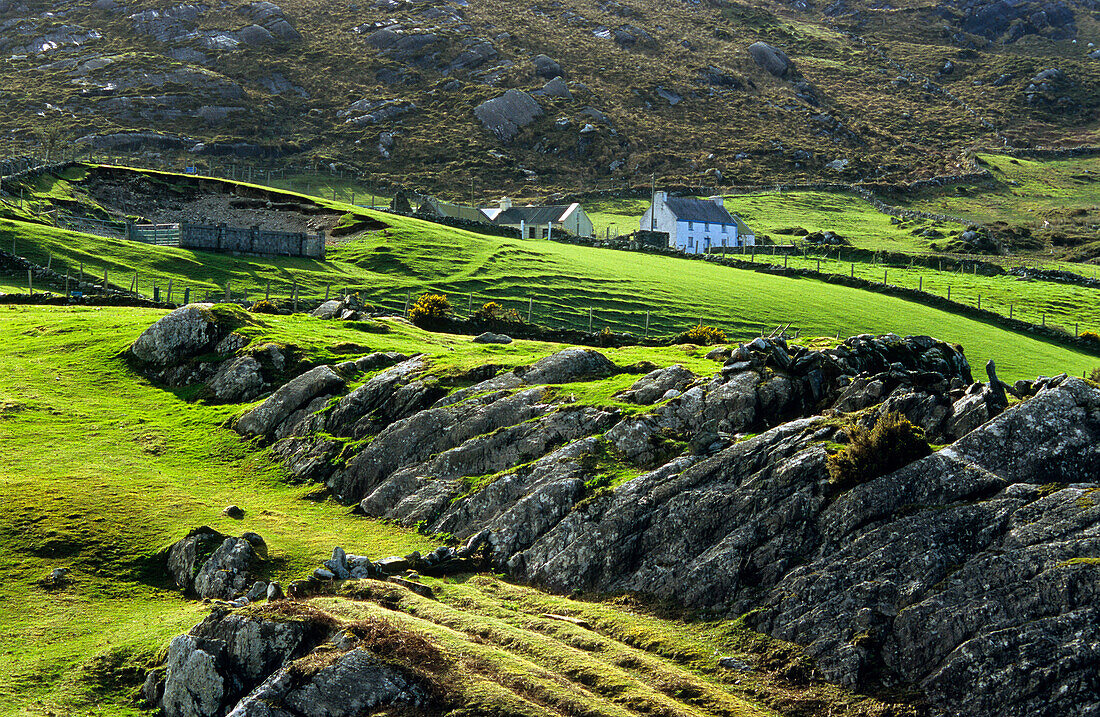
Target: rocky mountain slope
[[967, 576], [550, 95]]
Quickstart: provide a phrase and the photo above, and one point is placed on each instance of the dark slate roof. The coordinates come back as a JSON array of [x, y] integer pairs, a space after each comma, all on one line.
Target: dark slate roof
[[531, 215], [698, 210]]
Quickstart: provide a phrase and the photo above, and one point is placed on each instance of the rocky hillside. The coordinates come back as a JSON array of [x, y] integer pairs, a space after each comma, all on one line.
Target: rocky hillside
[[795, 485], [552, 95]]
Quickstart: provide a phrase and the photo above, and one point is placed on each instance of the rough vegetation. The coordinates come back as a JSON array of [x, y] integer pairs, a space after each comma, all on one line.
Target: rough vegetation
[[552, 93]]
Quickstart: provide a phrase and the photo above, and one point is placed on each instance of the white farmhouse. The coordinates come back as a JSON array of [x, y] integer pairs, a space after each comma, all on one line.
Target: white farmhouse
[[696, 225]]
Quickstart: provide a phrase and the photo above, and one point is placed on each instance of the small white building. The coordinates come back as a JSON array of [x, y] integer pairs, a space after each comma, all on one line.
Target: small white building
[[541, 222], [696, 225]]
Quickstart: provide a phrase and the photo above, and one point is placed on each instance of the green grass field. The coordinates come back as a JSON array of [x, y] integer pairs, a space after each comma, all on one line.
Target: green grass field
[[771, 213], [100, 469], [1023, 191]]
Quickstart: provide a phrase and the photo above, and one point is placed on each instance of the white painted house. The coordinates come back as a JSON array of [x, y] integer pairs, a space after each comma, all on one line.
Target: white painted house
[[696, 225], [541, 222]]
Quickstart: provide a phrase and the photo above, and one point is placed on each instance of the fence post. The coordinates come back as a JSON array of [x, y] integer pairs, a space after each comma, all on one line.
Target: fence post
[[327, 287], [470, 304], [187, 295], [267, 292], [819, 265], [853, 271], [884, 273], [227, 294], [979, 301], [408, 297], [295, 292], [920, 283], [589, 319], [1010, 311], [104, 280], [530, 303], [1075, 331], [156, 294], [647, 324], [1044, 321], [66, 284], [30, 282], [949, 293], [81, 273], [168, 299]]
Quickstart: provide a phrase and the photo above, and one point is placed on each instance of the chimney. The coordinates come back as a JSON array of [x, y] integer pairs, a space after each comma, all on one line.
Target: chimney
[[660, 197], [719, 201], [505, 204]]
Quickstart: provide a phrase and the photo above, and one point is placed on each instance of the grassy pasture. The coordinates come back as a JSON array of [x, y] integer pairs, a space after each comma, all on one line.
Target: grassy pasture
[[99, 470]]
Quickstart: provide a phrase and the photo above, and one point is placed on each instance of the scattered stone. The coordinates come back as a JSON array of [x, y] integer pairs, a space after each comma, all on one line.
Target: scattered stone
[[258, 592], [546, 68], [490, 338], [274, 591], [504, 116], [732, 663], [770, 58], [234, 512]]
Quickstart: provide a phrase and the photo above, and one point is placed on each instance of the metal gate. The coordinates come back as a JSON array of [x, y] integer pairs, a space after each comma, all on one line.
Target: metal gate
[[160, 234]]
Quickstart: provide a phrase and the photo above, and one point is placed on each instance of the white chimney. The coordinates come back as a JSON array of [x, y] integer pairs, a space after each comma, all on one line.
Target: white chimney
[[660, 197], [719, 201], [505, 204]]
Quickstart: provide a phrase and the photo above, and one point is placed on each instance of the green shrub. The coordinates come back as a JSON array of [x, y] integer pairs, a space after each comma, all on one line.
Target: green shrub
[[263, 306], [891, 444], [1091, 336], [430, 309], [702, 335], [491, 312]]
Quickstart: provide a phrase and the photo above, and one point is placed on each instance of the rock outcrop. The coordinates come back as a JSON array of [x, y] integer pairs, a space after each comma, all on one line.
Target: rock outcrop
[[207, 564], [253, 666], [975, 561], [506, 115], [770, 58]]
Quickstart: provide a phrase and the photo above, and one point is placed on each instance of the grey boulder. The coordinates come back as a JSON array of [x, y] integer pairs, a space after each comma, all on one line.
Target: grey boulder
[[186, 332], [504, 116], [490, 338], [770, 58], [572, 364]]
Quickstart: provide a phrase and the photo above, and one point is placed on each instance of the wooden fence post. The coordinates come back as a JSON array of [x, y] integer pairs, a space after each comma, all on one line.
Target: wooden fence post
[[1010, 311], [530, 304], [979, 301], [168, 298], [949, 293], [884, 273], [187, 295], [1044, 321], [920, 283], [408, 298], [647, 324], [853, 274], [590, 319], [30, 282], [327, 289], [227, 294]]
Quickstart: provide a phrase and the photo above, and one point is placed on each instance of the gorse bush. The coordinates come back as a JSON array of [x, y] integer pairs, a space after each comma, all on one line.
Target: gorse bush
[[263, 306], [892, 443], [1094, 375], [491, 311], [430, 309], [1091, 336], [702, 335]]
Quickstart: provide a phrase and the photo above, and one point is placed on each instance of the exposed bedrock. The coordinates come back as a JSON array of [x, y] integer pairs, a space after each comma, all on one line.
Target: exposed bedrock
[[970, 574]]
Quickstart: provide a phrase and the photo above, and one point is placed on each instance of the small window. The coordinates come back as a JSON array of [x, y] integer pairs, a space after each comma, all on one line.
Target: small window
[[691, 242], [706, 226], [691, 225]]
